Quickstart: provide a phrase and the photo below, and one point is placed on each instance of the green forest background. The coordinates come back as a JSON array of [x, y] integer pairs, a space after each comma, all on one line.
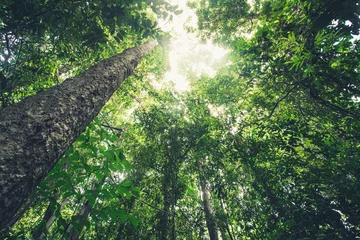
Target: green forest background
[[266, 149]]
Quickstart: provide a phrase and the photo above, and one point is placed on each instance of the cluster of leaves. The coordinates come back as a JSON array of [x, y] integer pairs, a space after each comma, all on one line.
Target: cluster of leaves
[[43, 42], [290, 103], [92, 175]]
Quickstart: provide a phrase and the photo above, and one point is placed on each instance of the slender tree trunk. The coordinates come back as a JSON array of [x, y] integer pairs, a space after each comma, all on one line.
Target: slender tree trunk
[[48, 220], [173, 233], [226, 222], [209, 217], [36, 132], [49, 215], [164, 216], [130, 204], [120, 234], [84, 212]]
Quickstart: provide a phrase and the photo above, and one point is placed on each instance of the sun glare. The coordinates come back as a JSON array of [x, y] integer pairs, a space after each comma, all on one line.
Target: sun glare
[[186, 48]]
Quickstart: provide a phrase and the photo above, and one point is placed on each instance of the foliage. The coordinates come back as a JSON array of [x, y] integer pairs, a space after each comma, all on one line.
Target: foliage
[[43, 42], [290, 103], [276, 131]]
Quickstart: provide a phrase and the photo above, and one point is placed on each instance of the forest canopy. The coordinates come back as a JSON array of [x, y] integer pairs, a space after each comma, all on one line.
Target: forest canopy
[[266, 148]]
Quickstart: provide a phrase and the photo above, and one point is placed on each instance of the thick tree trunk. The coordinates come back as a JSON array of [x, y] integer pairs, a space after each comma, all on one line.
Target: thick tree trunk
[[210, 220], [36, 132]]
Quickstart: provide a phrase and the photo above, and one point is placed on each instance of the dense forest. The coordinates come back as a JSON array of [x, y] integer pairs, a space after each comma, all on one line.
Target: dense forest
[[92, 148]]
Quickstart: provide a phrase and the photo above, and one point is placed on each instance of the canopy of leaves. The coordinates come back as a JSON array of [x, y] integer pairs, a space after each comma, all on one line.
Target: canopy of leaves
[[275, 135]]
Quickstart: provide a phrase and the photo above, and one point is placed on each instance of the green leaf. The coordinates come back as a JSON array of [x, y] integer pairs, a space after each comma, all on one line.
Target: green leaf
[[81, 138], [60, 183], [126, 164], [104, 216], [61, 222], [112, 215], [123, 216], [99, 175], [69, 194], [133, 221], [126, 183], [135, 191], [92, 200]]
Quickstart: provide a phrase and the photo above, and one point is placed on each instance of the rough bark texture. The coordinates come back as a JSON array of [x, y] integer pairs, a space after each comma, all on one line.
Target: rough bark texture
[[36, 132], [210, 220]]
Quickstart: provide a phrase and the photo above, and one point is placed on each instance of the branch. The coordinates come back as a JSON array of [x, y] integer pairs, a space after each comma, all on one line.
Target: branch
[[281, 99]]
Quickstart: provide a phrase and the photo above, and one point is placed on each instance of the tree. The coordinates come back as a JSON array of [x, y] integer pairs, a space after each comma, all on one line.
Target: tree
[[210, 220], [40, 41], [268, 148], [37, 131]]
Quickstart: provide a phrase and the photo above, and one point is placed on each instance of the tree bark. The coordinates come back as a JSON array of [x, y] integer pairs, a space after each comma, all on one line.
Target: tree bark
[[36, 132], [209, 217]]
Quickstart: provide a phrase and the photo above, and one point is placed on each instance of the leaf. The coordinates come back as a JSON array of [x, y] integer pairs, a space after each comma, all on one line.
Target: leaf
[[55, 175], [109, 155], [72, 157], [67, 187], [99, 175], [126, 183], [133, 221], [62, 222], [60, 183], [81, 138], [112, 215], [91, 199], [113, 193], [117, 157], [177, 12], [69, 194], [106, 193], [104, 216], [136, 191], [123, 216], [126, 164]]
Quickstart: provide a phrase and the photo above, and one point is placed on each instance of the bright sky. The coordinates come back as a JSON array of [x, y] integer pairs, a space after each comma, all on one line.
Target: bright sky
[[186, 48]]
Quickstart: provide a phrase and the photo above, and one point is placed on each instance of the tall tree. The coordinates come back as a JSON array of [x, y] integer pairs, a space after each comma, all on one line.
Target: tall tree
[[36, 132], [209, 216]]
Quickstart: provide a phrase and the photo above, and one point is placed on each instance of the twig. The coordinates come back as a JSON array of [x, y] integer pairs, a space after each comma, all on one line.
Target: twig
[[281, 99]]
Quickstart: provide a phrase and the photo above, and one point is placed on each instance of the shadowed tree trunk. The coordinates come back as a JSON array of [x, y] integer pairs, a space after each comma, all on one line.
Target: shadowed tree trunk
[[225, 222], [209, 217], [50, 213], [164, 215], [48, 220], [84, 212], [36, 132]]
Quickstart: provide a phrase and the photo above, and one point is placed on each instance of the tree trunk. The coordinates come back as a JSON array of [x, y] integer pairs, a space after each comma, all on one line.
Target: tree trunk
[[225, 221], [84, 213], [173, 232], [48, 220], [164, 216], [210, 220], [36, 132]]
